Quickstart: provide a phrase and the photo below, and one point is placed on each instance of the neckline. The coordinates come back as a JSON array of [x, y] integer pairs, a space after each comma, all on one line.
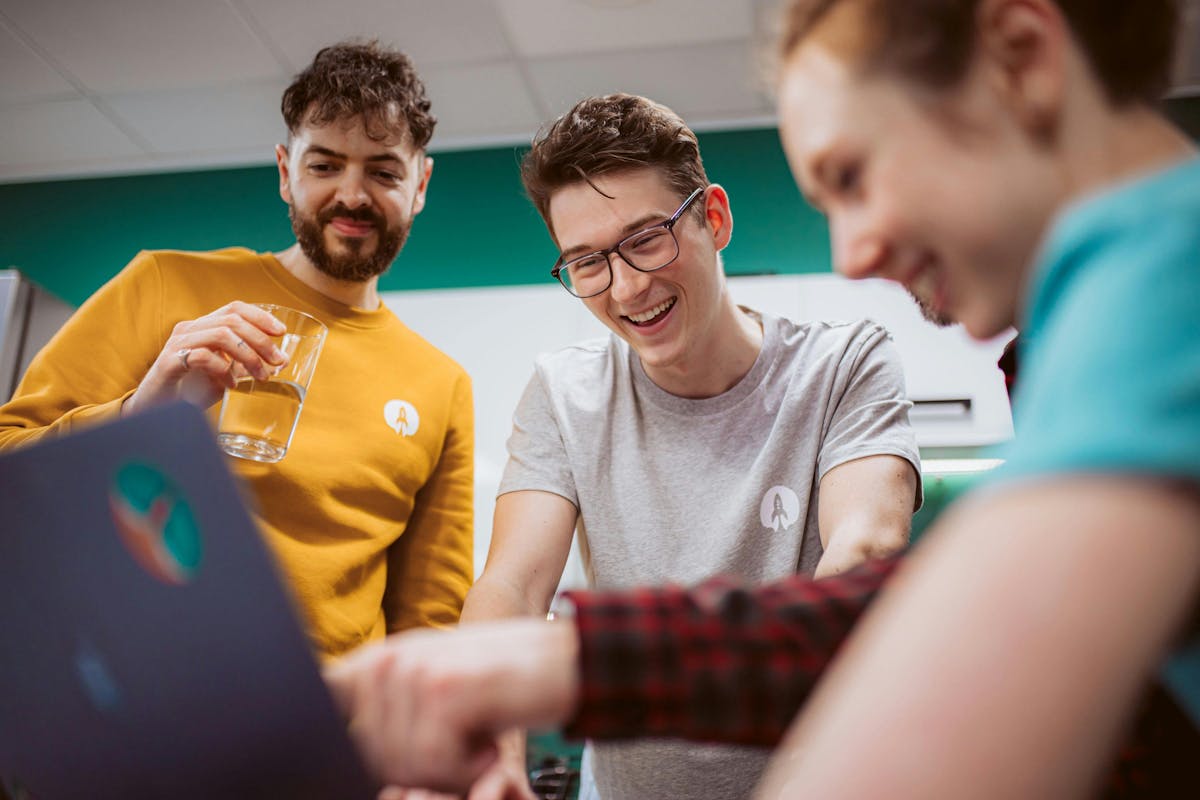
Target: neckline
[[338, 312], [702, 406]]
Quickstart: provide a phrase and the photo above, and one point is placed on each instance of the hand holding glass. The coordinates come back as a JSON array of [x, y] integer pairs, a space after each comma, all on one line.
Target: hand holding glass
[[258, 418]]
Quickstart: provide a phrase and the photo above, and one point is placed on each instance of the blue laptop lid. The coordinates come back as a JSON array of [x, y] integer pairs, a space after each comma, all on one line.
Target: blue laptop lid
[[148, 646]]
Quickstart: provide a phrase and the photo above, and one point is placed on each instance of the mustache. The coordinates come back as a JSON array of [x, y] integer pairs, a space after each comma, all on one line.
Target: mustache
[[357, 214]]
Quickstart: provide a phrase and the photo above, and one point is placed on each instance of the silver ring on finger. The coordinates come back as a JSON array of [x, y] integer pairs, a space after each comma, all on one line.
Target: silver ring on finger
[[183, 358]]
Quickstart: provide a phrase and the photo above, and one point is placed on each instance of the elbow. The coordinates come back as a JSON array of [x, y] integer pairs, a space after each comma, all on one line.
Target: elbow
[[884, 546], [884, 541]]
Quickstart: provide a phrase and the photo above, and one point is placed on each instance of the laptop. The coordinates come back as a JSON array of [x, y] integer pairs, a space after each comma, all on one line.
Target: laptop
[[148, 644]]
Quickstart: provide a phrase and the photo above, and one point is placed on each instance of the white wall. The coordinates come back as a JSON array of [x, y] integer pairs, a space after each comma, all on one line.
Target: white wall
[[496, 333]]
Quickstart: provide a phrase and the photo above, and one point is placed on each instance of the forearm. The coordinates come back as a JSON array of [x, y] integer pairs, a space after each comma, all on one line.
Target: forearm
[[865, 511], [720, 662], [1017, 672], [18, 428], [531, 537], [493, 598], [425, 707], [854, 544]]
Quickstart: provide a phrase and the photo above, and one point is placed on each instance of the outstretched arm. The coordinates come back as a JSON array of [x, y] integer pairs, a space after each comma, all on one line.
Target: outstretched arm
[[1004, 658], [718, 662]]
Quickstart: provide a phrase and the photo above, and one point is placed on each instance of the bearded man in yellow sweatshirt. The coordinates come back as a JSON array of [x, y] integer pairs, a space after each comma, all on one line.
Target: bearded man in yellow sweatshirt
[[371, 521]]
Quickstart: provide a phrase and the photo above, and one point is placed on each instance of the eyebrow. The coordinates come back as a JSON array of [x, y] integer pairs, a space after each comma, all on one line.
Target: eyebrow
[[641, 223]]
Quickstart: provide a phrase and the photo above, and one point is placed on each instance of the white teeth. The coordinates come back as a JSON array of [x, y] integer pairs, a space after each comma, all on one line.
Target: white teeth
[[646, 316]]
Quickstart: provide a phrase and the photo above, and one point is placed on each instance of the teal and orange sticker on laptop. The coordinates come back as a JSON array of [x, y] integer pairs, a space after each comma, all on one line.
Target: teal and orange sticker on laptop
[[155, 522]]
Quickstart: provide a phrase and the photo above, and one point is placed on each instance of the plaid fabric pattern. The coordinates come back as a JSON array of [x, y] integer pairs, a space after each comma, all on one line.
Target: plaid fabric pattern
[[719, 662]]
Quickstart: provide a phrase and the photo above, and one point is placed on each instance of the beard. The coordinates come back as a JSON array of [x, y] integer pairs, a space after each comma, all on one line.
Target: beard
[[354, 266], [939, 318]]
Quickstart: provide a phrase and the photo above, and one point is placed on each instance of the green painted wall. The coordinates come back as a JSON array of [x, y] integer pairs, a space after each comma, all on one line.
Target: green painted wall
[[477, 229]]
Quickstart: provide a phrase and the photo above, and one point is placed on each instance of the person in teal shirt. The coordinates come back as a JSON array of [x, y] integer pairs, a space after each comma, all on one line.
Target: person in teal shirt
[[1006, 161]]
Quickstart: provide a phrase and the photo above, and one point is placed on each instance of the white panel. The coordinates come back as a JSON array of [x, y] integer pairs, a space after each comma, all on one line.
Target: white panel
[[232, 117], [429, 31], [64, 132], [713, 81], [774, 294], [568, 27], [135, 45], [939, 363], [480, 100], [24, 75]]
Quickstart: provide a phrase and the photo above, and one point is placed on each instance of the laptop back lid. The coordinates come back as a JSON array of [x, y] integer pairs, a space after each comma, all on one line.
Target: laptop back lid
[[148, 646]]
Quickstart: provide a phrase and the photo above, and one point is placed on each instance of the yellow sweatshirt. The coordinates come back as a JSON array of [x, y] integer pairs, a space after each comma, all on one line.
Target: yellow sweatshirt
[[373, 525]]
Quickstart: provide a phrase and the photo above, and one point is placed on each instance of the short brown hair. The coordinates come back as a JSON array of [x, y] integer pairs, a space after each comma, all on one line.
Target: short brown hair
[[1128, 43], [613, 133], [361, 79]]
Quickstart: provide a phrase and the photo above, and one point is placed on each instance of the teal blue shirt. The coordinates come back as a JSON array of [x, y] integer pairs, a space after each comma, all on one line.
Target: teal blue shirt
[[1110, 364]]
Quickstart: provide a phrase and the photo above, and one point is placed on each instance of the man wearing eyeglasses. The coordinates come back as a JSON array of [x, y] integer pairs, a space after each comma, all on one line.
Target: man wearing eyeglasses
[[695, 440]]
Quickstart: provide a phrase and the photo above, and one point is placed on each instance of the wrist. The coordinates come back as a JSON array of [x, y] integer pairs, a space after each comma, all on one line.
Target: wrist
[[562, 680]]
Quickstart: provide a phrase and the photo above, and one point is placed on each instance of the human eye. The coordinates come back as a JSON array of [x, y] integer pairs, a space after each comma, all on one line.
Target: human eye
[[647, 240], [587, 265], [387, 178], [847, 178], [322, 167]]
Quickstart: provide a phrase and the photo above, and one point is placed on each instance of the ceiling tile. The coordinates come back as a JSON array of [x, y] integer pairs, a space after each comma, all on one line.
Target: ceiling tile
[[478, 102], [701, 84], [60, 132], [540, 28], [234, 117], [138, 45], [429, 32], [24, 75]]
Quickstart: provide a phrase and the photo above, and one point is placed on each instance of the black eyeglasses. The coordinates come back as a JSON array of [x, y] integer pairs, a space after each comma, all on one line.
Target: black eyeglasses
[[647, 250]]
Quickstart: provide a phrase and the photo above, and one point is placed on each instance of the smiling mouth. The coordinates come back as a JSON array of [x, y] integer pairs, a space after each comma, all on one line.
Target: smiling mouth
[[653, 315], [352, 227]]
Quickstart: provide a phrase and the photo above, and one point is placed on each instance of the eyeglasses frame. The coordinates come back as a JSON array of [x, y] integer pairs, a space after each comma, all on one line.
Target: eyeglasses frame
[[668, 224]]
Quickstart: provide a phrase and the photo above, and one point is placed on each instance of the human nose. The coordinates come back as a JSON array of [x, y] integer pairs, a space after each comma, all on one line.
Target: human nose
[[857, 253], [627, 282], [352, 189]]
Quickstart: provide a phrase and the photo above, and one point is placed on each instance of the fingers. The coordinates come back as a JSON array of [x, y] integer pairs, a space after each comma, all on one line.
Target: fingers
[[398, 793], [237, 333], [205, 356], [503, 781], [403, 717]]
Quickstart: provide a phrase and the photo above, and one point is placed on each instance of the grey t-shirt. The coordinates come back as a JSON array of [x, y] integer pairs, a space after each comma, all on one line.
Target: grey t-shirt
[[673, 489]]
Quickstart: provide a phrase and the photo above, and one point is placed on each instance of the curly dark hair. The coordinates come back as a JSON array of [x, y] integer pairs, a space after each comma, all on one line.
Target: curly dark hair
[[360, 79], [1128, 43], [613, 133]]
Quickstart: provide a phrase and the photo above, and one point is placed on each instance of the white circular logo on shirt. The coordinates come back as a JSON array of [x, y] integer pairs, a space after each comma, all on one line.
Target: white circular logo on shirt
[[780, 508], [402, 417]]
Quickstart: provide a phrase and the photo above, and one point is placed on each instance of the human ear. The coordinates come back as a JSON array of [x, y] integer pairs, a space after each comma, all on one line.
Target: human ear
[[1023, 46], [718, 215], [281, 160], [423, 186]]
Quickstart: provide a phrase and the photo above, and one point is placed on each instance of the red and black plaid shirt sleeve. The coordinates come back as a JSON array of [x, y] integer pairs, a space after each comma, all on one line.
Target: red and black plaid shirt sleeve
[[720, 662]]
